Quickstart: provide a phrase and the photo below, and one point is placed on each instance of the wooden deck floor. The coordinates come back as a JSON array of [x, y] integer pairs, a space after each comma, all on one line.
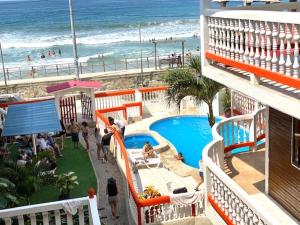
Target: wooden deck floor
[[248, 170]]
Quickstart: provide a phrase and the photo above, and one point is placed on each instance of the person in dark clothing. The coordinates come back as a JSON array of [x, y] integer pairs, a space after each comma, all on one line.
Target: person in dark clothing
[[105, 142], [112, 192]]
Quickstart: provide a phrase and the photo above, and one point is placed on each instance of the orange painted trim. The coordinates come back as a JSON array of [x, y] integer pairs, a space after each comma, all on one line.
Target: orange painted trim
[[114, 93], [129, 92], [4, 105], [274, 76], [113, 109], [260, 137], [222, 214], [240, 145], [139, 203], [152, 89]]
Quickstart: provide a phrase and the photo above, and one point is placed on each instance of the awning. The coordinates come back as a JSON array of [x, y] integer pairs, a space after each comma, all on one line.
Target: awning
[[31, 118], [73, 84]]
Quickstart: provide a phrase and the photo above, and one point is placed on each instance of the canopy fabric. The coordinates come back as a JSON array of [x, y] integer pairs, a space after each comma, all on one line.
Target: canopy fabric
[[31, 118], [73, 84]]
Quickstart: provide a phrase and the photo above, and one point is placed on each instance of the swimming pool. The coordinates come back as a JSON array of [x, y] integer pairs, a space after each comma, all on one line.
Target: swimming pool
[[189, 135], [136, 141]]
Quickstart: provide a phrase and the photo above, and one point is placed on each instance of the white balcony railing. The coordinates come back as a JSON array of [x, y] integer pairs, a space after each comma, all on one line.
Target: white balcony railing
[[79, 211], [263, 43], [224, 194]]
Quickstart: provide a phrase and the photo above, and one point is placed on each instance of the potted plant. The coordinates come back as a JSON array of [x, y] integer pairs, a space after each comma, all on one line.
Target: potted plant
[[65, 183], [226, 101], [150, 192]]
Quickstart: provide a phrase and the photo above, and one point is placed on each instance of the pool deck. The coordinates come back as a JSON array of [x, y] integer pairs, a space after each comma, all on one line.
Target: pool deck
[[172, 171]]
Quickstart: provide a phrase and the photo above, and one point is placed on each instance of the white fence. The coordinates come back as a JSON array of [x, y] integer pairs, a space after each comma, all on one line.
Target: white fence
[[75, 211]]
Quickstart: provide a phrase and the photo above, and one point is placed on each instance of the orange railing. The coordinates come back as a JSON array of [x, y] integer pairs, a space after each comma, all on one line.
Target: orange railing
[[140, 203]]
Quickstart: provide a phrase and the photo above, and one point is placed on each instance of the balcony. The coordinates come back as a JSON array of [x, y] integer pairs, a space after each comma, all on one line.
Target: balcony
[[257, 48]]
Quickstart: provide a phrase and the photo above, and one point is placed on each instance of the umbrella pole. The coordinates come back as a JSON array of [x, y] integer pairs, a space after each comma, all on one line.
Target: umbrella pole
[[34, 144]]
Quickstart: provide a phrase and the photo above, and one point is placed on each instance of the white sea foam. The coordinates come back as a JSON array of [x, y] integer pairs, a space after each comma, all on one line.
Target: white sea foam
[[174, 29]]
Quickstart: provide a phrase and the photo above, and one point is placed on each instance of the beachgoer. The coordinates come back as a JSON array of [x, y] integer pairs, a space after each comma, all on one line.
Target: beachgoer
[[53, 53], [148, 150], [179, 63], [105, 142], [62, 134], [42, 144], [49, 53], [28, 58], [120, 126], [112, 192], [51, 142], [85, 134], [179, 157], [59, 52], [200, 174], [74, 129], [98, 142], [43, 55]]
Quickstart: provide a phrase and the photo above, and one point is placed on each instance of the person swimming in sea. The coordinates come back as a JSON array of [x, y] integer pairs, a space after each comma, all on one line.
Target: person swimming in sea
[[28, 58], [43, 55], [59, 52]]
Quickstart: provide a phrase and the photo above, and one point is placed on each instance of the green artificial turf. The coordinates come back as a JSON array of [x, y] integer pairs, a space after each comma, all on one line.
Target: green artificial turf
[[76, 160]]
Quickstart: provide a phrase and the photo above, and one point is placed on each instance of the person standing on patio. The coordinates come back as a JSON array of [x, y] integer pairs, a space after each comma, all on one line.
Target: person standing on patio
[[74, 129], [105, 143], [85, 134], [120, 126], [112, 192]]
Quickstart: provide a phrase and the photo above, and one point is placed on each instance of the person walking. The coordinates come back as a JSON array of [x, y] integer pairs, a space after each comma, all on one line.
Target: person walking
[[105, 143], [98, 142], [62, 133], [74, 129], [112, 192], [85, 134]]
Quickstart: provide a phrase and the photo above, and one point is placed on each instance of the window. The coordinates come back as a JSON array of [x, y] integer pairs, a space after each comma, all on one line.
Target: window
[[296, 143]]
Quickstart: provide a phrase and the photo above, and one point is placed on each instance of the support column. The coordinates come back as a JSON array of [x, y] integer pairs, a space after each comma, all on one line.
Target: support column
[[57, 104], [204, 32], [93, 105]]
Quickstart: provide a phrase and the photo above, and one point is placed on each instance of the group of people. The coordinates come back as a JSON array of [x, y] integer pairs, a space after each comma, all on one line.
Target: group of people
[[43, 55]]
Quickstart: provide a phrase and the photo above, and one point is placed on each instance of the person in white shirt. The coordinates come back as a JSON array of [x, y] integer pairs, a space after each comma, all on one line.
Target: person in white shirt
[[120, 125], [41, 142]]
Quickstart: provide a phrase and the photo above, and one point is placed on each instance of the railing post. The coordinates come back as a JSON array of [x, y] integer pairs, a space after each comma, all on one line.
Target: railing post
[[103, 64], [139, 214], [193, 210], [80, 65]]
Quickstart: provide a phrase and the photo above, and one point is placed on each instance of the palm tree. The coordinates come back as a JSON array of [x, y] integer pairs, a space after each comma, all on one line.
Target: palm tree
[[190, 82]]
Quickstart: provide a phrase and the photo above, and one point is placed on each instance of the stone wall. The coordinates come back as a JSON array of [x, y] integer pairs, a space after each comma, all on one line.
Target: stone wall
[[111, 82]]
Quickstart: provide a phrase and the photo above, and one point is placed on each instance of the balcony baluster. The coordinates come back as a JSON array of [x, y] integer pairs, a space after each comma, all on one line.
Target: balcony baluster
[[262, 44], [257, 44], [241, 31], [274, 47], [236, 40], [251, 31], [288, 63], [246, 54], [231, 39], [227, 38], [281, 48], [269, 45]]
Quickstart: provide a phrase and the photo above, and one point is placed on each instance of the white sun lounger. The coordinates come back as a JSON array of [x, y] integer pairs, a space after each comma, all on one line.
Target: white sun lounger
[[137, 159]]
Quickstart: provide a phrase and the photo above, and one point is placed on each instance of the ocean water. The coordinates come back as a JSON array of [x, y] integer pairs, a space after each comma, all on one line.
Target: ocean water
[[108, 27]]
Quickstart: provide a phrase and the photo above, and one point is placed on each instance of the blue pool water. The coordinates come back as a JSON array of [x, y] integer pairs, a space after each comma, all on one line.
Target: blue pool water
[[138, 141], [189, 135]]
